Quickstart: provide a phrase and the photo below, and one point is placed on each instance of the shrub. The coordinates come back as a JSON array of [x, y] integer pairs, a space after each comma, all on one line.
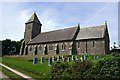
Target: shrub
[[116, 54], [76, 70], [106, 69], [103, 69], [57, 70]]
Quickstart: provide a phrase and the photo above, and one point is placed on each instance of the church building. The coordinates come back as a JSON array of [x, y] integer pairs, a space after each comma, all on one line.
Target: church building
[[68, 41]]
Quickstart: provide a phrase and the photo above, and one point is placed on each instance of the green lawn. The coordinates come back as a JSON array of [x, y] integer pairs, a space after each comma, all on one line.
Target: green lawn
[[25, 65], [0, 59], [34, 70], [11, 75]]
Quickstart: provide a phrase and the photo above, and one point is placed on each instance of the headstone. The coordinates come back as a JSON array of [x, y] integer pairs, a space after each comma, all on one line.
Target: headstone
[[62, 56], [81, 59], [35, 60], [58, 59], [68, 59], [53, 58], [87, 54], [77, 58], [97, 57], [72, 57], [94, 57], [49, 61], [42, 59], [63, 59]]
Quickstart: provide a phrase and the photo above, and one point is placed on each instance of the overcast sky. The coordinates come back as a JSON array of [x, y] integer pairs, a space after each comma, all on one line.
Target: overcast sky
[[56, 15]]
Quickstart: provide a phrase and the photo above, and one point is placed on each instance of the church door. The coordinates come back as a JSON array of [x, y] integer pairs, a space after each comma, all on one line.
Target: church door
[[46, 51], [36, 50], [57, 49]]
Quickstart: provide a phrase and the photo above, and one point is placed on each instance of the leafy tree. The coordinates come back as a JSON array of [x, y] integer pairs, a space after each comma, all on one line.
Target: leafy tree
[[11, 47]]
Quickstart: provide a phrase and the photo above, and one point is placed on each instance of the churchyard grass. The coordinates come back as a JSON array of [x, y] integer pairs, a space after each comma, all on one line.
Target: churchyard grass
[[0, 59], [11, 75], [26, 66], [34, 70]]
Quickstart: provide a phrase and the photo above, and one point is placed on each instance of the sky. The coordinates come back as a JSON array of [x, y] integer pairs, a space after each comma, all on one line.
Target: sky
[[57, 15]]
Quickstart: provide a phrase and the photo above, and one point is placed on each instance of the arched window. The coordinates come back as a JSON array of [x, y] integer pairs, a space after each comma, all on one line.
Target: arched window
[[63, 46], [40, 47], [50, 47], [30, 49], [78, 45], [93, 43]]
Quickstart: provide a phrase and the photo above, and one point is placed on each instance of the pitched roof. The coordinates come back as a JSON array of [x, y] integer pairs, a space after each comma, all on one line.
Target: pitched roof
[[91, 32], [34, 18], [57, 35]]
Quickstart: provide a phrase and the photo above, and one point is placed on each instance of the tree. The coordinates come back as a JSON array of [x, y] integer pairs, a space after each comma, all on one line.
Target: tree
[[11, 47]]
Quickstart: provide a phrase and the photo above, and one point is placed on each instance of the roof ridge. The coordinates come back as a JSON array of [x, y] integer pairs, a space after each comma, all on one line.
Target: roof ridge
[[59, 30], [94, 26]]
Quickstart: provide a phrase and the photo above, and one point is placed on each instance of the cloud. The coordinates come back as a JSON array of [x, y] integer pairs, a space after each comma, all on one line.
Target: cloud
[[25, 15], [50, 19]]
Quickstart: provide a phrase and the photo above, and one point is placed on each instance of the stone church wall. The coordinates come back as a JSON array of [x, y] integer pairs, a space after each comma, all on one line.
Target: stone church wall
[[91, 46], [42, 47]]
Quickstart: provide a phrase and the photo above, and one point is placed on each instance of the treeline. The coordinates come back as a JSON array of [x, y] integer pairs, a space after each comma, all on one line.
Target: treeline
[[10, 47]]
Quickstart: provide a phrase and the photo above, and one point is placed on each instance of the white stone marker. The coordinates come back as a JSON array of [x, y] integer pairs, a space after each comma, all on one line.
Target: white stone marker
[[42, 59]]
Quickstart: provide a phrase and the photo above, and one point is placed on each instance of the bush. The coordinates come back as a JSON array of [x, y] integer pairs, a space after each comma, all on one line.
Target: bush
[[106, 69], [102, 69], [76, 70], [116, 54], [57, 70]]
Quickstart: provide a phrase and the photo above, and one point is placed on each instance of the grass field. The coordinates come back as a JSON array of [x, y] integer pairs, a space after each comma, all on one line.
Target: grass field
[[11, 75], [34, 70], [25, 65]]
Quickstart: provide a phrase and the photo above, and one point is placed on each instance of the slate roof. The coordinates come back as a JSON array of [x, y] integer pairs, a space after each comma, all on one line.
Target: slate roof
[[91, 32], [34, 18], [57, 35]]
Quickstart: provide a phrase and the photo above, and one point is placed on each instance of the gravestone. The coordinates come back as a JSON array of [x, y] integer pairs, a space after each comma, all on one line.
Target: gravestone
[[87, 54], [58, 59], [73, 57], [63, 59], [49, 61], [53, 58], [84, 57], [68, 59], [81, 59], [77, 58], [42, 59], [62, 56], [95, 57], [35, 60]]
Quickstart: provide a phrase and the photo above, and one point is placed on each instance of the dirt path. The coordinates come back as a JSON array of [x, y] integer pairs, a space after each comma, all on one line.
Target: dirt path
[[3, 76], [17, 72]]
